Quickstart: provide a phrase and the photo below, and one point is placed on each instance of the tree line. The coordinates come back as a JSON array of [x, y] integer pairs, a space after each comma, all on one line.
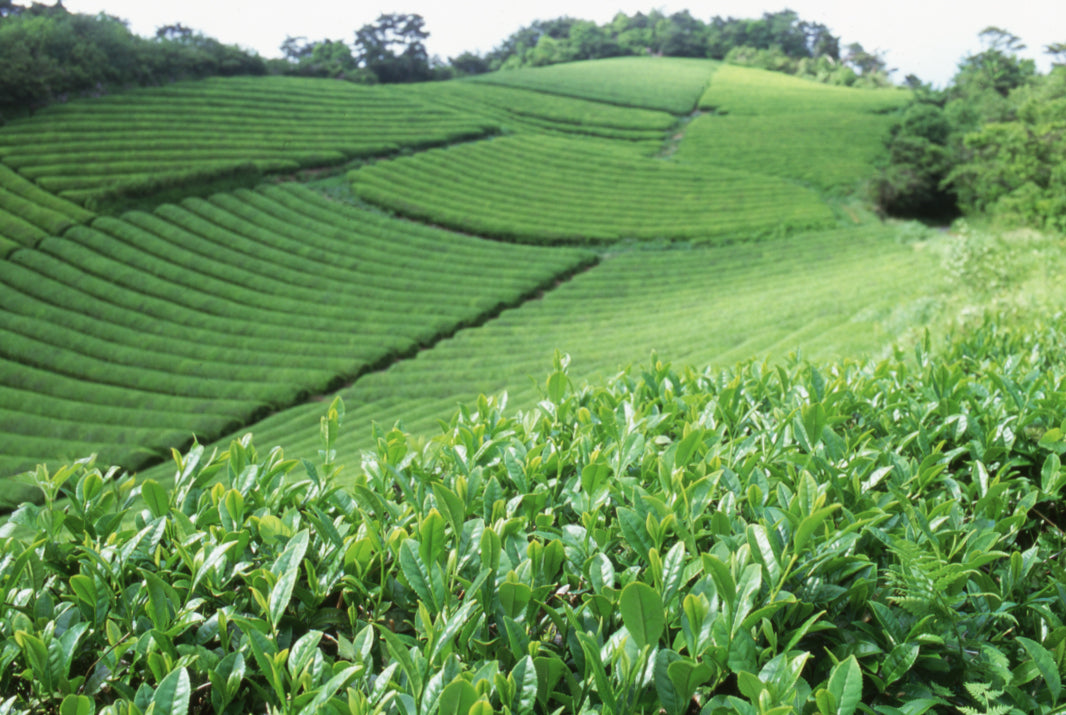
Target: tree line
[[51, 54], [992, 142], [393, 48]]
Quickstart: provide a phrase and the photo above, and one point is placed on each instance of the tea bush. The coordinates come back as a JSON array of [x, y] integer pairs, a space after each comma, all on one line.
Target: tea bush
[[875, 537]]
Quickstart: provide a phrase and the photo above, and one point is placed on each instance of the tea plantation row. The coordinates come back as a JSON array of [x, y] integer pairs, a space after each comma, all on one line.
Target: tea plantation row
[[141, 142], [531, 111], [29, 213], [543, 189], [128, 337]]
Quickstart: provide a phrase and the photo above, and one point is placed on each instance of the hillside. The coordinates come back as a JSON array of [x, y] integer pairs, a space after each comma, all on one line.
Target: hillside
[[597, 389], [118, 328]]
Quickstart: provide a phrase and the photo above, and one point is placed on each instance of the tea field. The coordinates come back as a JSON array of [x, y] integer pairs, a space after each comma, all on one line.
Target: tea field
[[134, 334], [585, 388], [545, 189], [698, 306], [517, 110], [824, 136], [671, 84], [141, 142]]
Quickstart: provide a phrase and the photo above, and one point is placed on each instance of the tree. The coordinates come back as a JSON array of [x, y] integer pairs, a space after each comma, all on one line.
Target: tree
[[470, 63], [1057, 50], [997, 67], [393, 48]]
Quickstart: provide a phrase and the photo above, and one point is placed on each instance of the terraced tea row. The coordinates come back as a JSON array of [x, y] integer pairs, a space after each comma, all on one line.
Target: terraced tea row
[[669, 84], [828, 137], [141, 141], [29, 214], [129, 336], [843, 292], [529, 110], [548, 189]]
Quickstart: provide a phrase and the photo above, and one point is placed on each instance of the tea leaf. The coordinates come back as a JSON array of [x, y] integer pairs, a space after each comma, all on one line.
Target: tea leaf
[[642, 613]]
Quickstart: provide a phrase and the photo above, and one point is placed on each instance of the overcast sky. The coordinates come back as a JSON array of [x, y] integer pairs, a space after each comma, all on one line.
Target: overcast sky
[[923, 37]]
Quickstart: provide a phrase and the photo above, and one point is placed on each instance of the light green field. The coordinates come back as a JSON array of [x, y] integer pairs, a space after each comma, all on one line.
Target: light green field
[[669, 84], [746, 90], [827, 137], [825, 150], [542, 189], [842, 292]]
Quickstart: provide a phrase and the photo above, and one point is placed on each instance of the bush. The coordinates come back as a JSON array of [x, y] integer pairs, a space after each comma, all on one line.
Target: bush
[[727, 540]]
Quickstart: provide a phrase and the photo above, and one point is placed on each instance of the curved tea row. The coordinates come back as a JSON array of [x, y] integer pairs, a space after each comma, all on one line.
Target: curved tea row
[[529, 110], [149, 139], [541, 189], [128, 337], [29, 214]]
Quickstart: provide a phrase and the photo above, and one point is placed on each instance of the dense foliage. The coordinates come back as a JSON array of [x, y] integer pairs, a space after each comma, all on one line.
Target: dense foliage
[[778, 41], [48, 54], [990, 143], [882, 536]]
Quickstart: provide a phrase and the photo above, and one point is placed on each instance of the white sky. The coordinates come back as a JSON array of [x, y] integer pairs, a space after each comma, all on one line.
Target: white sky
[[923, 37]]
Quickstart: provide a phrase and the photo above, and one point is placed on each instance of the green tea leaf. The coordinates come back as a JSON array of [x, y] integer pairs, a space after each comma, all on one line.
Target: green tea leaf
[[642, 613], [809, 525], [595, 664], [431, 536], [155, 497], [723, 578], [172, 695], [416, 571], [668, 692], [898, 662], [288, 569], [634, 531], [451, 506], [162, 600], [302, 652], [514, 597], [457, 698], [845, 685], [525, 678], [77, 705], [1051, 476]]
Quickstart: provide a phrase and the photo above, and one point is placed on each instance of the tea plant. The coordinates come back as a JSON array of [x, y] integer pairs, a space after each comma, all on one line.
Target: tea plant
[[875, 537]]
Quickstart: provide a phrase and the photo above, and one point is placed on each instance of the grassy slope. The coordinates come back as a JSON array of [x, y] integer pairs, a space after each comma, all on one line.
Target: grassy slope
[[668, 84], [562, 188]]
